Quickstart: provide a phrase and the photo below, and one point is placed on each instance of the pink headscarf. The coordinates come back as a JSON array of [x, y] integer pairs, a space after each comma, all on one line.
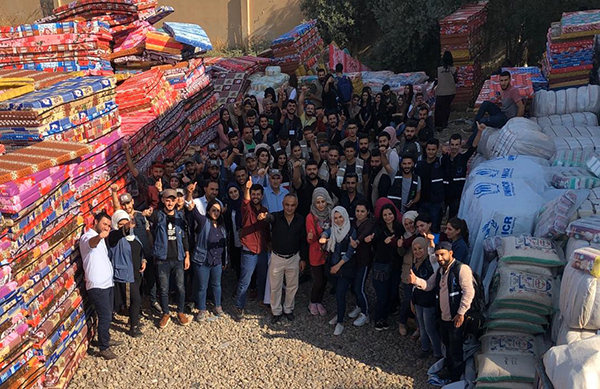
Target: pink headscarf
[[383, 201], [392, 131]]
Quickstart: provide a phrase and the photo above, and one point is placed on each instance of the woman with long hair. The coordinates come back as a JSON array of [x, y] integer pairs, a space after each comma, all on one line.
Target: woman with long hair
[[425, 302], [280, 162], [224, 127], [233, 224], [445, 90], [409, 94], [210, 254], [423, 223], [380, 113], [318, 221], [385, 246], [254, 104], [263, 157], [458, 233], [341, 243], [365, 115]]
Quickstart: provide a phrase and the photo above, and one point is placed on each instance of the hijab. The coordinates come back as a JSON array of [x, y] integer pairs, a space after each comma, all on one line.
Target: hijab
[[383, 201], [338, 234], [393, 139], [423, 243], [324, 216], [409, 215], [235, 205]]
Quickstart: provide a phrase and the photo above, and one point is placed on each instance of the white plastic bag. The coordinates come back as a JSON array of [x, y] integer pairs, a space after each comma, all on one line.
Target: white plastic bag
[[574, 365]]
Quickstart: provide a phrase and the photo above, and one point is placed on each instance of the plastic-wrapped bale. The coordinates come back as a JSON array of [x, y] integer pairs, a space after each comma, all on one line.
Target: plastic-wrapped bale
[[587, 259], [553, 217], [528, 250], [574, 178], [593, 165], [586, 229], [574, 365], [572, 100], [572, 151], [560, 131], [589, 207], [570, 119], [520, 136], [568, 335]]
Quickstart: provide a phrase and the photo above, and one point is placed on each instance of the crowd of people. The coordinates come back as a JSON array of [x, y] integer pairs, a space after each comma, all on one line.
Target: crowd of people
[[315, 184]]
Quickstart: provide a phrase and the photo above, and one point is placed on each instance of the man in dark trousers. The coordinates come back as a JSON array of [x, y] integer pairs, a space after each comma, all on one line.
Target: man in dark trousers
[[432, 185], [454, 165], [288, 257], [454, 284]]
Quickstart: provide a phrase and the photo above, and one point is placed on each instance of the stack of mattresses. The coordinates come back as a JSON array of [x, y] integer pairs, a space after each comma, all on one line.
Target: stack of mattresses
[[300, 46]]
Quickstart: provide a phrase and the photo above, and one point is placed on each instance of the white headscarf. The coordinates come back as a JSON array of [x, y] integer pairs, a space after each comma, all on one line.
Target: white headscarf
[[338, 233], [117, 217]]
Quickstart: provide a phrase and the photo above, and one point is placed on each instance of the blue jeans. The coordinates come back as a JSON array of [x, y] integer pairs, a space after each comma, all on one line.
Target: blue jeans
[[205, 274], [164, 270], [343, 284], [382, 290], [435, 211], [496, 118], [103, 302], [249, 263], [430, 338], [360, 279]]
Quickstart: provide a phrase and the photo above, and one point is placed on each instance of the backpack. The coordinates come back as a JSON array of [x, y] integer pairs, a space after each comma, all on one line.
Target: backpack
[[345, 89]]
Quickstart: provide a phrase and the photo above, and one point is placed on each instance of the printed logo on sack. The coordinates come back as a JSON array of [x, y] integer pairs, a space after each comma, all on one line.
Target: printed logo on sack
[[521, 283], [486, 188], [507, 172], [487, 172], [508, 188], [508, 225], [490, 229]]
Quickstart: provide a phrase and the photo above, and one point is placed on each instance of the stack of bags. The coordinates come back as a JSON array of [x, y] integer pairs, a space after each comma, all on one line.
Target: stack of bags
[[77, 109], [62, 46], [47, 326], [570, 49], [300, 46], [272, 78], [537, 78], [524, 294], [461, 34], [491, 89]]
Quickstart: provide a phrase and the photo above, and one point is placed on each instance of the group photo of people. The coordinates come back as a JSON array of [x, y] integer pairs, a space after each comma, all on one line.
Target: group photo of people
[[347, 191]]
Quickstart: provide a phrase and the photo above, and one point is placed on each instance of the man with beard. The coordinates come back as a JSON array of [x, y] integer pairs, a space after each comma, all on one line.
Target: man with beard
[[282, 144], [308, 117], [511, 106], [289, 123], [317, 97], [329, 168], [241, 176], [425, 128], [351, 131], [233, 152], [431, 174], [271, 111], [214, 173], [171, 251], [309, 144], [248, 140], [251, 121], [411, 143], [253, 236], [351, 165], [169, 165], [212, 189], [379, 180], [265, 131], [389, 155], [305, 187], [405, 191], [335, 124], [190, 173], [257, 175], [350, 196]]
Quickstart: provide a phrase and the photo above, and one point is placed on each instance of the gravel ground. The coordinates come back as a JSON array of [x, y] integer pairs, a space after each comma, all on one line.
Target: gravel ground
[[256, 354]]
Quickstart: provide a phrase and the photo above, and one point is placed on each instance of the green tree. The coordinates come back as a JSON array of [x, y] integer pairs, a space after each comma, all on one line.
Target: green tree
[[410, 33], [349, 23]]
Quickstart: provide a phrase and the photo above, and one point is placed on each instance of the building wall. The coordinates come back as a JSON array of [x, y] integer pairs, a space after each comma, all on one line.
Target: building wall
[[14, 12]]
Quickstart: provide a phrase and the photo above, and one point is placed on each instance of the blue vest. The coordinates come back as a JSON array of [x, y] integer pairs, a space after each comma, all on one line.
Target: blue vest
[[120, 255], [160, 248], [201, 249]]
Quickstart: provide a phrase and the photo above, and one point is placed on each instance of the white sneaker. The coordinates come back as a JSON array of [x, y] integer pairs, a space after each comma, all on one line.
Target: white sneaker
[[333, 321], [339, 328], [362, 320], [355, 312]]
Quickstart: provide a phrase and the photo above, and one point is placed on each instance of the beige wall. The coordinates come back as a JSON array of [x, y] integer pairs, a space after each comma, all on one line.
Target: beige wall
[[227, 22], [231, 22]]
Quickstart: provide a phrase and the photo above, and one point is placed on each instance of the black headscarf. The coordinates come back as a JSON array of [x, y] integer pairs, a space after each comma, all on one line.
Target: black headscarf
[[235, 204]]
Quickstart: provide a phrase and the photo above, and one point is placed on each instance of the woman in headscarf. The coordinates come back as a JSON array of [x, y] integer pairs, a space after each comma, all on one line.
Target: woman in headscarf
[[317, 221], [425, 302], [233, 224], [405, 251], [385, 201], [341, 243]]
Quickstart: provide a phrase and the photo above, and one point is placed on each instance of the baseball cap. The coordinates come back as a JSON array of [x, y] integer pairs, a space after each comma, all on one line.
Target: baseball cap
[[190, 160], [180, 192], [125, 198], [213, 146], [250, 155], [158, 164], [321, 136], [275, 172], [169, 193], [213, 162], [443, 246]]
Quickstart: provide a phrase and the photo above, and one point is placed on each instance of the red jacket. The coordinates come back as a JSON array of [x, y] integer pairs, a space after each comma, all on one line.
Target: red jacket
[[254, 233], [317, 254]]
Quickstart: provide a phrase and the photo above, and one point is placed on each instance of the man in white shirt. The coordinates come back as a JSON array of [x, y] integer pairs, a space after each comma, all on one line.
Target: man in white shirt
[[98, 273], [211, 191]]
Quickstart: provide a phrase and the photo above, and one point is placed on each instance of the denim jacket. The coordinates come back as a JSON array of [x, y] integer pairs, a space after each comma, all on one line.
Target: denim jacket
[[160, 248], [200, 251], [120, 255]]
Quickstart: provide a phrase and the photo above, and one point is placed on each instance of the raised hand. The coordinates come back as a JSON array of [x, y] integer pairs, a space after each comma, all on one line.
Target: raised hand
[[388, 240], [353, 243], [481, 126], [158, 185], [191, 187], [369, 238], [104, 234], [261, 216], [322, 240], [412, 278], [400, 242], [147, 212], [249, 183], [297, 164], [114, 188]]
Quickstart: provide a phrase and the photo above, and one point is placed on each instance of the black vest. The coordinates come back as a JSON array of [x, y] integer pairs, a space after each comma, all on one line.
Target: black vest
[[436, 186], [395, 192], [454, 290]]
